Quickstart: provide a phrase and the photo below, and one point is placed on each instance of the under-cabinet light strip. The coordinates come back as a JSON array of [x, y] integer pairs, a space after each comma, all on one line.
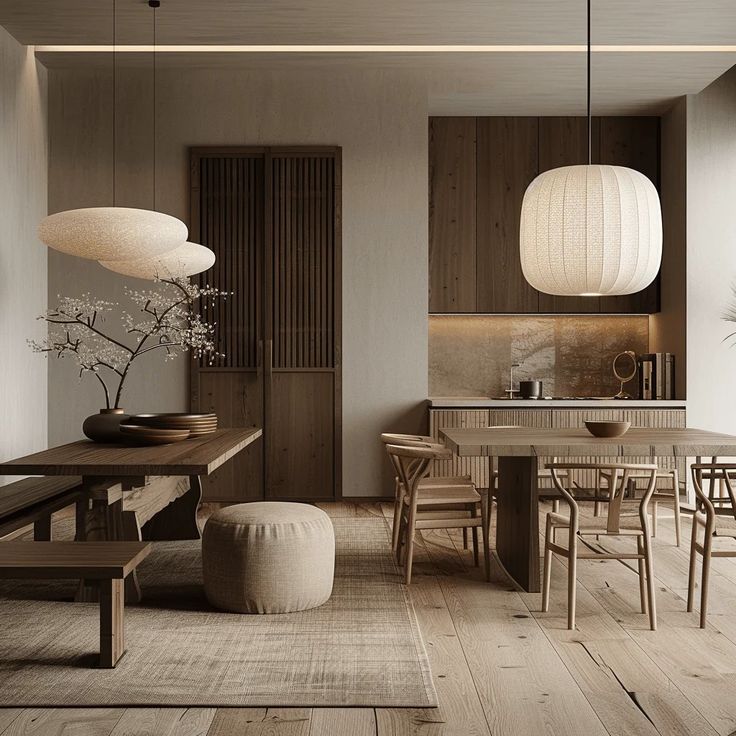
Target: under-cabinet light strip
[[541, 314], [384, 49]]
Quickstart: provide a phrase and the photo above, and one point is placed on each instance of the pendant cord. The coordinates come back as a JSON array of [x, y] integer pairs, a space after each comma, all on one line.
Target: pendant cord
[[590, 125], [114, 95], [154, 107]]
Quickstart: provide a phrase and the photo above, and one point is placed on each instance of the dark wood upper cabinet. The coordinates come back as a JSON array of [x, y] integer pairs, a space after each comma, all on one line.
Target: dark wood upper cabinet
[[632, 142], [506, 163], [479, 169], [452, 196]]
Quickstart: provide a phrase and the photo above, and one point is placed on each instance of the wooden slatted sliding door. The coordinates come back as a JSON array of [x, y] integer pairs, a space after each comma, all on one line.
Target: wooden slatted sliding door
[[228, 216], [302, 392], [272, 216]]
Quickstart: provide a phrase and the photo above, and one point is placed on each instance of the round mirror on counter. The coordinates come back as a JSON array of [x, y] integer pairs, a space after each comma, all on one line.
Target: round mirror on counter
[[624, 368]]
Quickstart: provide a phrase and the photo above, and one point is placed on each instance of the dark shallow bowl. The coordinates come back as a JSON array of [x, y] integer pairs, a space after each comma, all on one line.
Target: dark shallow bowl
[[608, 429], [141, 435]]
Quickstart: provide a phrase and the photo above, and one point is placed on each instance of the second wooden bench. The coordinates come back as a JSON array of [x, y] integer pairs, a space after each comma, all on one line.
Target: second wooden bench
[[33, 500], [106, 563]]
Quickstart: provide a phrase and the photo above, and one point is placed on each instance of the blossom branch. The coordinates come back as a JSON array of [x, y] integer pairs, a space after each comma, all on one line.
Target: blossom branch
[[170, 319]]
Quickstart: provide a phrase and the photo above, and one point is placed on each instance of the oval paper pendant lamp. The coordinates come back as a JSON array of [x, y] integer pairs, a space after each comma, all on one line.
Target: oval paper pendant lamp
[[186, 260], [590, 231], [112, 233]]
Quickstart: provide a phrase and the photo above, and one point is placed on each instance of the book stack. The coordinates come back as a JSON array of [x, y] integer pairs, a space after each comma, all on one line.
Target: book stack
[[657, 376]]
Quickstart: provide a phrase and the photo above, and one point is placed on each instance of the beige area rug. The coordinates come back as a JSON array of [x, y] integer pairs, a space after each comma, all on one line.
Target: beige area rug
[[362, 648]]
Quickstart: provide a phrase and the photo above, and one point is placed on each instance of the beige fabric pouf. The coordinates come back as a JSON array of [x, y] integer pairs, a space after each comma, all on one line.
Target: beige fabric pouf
[[268, 557]]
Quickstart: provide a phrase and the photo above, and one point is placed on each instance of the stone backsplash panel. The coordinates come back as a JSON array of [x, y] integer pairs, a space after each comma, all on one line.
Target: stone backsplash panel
[[573, 356]]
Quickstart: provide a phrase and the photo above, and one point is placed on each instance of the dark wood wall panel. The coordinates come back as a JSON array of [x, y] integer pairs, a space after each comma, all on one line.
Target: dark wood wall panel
[[452, 195], [507, 161], [303, 286], [231, 224]]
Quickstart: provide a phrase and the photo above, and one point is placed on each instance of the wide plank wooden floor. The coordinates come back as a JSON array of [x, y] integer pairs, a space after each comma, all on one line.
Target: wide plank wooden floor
[[501, 667]]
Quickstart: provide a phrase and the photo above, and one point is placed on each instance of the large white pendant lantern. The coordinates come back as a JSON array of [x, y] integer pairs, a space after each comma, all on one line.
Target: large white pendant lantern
[[112, 233], [186, 260], [590, 230]]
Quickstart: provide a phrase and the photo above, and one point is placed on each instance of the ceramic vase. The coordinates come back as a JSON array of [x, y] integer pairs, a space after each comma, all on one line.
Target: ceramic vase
[[105, 426]]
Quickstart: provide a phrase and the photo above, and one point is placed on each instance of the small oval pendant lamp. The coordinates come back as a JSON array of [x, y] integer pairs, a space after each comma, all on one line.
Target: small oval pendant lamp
[[592, 230], [186, 260]]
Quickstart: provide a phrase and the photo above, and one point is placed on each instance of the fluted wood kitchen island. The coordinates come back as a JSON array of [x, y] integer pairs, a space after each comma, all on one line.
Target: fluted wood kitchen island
[[519, 449]]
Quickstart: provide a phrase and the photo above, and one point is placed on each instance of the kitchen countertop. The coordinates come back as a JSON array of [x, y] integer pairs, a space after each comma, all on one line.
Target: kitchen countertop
[[483, 402]]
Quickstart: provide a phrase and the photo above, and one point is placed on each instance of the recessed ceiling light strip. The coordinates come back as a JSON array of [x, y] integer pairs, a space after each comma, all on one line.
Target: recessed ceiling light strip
[[392, 49]]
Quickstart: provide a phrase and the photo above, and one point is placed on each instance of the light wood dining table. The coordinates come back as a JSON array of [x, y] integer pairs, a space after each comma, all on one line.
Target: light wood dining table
[[109, 471], [518, 451]]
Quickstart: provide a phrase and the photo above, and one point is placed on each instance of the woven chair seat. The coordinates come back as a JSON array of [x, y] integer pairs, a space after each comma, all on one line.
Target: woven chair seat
[[445, 496]]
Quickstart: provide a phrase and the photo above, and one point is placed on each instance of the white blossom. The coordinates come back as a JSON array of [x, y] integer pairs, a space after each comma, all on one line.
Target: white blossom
[[164, 319]]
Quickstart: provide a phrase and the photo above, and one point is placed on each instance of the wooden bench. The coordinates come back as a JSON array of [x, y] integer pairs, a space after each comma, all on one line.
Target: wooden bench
[[106, 563], [33, 500]]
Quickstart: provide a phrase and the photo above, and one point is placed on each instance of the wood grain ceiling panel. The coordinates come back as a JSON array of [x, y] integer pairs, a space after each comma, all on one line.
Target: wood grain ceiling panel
[[374, 22], [456, 83]]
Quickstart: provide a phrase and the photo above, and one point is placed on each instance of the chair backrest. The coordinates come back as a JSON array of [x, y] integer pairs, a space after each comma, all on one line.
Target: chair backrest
[[412, 463], [389, 438], [409, 440], [709, 499], [618, 481]]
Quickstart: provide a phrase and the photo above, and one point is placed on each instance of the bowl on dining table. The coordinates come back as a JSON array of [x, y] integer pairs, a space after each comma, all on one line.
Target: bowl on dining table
[[607, 428], [141, 435]]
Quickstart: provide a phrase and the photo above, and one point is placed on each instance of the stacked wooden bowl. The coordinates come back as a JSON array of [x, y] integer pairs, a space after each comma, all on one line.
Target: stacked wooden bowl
[[141, 435], [158, 429]]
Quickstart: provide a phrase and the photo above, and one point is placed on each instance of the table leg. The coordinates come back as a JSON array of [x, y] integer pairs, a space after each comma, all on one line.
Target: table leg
[[178, 520], [517, 520], [101, 519]]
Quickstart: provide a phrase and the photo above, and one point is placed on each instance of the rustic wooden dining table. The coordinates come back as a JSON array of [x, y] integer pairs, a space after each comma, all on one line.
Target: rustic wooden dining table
[[518, 451], [110, 471]]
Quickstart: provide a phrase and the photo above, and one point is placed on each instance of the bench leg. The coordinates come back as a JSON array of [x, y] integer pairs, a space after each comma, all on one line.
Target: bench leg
[[106, 522], [81, 509], [112, 608], [42, 529]]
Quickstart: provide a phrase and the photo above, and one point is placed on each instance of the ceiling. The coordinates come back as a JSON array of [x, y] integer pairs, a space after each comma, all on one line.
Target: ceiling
[[457, 83]]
